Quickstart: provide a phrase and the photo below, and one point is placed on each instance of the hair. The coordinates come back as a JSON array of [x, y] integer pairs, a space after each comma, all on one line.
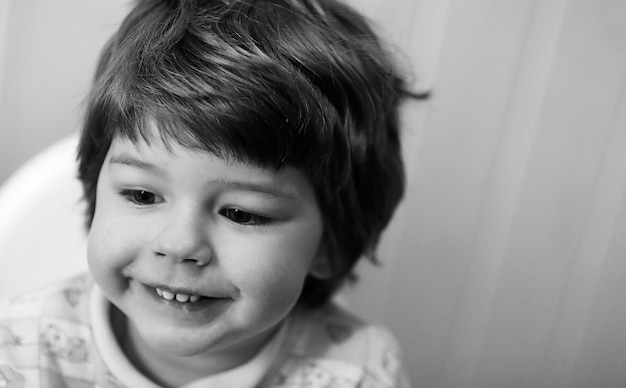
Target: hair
[[304, 83]]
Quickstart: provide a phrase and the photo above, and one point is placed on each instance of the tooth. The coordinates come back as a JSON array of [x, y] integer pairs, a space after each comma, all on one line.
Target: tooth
[[159, 291], [168, 295], [194, 298], [182, 298]]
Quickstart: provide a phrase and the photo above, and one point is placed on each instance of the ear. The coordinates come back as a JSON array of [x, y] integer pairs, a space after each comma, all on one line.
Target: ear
[[320, 266]]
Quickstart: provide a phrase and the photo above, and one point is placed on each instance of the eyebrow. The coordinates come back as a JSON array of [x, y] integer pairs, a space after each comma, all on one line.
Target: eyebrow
[[127, 160], [257, 187]]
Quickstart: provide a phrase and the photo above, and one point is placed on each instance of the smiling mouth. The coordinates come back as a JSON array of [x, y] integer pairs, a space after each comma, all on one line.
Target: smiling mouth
[[191, 306], [181, 298]]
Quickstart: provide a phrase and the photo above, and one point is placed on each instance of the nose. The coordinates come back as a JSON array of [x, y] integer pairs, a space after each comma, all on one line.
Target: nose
[[184, 238]]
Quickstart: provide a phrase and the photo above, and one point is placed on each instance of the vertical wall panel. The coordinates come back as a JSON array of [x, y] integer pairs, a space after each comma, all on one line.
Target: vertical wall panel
[[481, 47], [4, 21], [601, 243], [505, 269], [501, 200]]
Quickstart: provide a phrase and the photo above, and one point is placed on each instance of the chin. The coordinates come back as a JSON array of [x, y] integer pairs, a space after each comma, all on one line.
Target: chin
[[174, 342]]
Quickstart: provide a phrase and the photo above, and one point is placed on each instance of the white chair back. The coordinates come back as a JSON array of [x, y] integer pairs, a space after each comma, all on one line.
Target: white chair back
[[42, 234]]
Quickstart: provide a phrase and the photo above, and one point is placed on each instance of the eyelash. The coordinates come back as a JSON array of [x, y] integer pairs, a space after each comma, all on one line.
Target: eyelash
[[138, 197], [235, 215]]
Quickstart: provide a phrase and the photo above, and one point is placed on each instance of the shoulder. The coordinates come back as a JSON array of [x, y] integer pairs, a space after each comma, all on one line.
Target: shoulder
[[335, 345], [44, 329], [65, 299]]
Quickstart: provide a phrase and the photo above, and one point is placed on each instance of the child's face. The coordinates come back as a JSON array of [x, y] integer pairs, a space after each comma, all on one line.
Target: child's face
[[185, 222]]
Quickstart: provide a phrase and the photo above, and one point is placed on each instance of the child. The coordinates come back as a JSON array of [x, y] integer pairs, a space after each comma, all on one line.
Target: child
[[238, 157]]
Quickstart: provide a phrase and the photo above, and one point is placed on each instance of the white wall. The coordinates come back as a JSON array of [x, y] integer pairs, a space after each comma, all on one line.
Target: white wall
[[48, 51], [506, 263], [504, 267]]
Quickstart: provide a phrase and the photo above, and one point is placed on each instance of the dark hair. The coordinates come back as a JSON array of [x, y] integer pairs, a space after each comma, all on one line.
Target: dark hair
[[283, 82]]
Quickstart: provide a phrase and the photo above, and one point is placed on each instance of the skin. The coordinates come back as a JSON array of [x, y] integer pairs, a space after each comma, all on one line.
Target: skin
[[242, 237]]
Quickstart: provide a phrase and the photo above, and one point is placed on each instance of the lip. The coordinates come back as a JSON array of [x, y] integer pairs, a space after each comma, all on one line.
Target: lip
[[207, 308], [186, 291]]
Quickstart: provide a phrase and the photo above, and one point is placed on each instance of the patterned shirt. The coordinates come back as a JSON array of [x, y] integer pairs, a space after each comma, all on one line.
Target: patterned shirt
[[61, 337]]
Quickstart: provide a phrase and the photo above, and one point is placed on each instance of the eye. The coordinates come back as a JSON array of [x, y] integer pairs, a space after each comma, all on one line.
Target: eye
[[140, 197], [243, 217]]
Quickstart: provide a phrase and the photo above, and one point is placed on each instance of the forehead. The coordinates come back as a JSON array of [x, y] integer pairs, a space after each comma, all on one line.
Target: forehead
[[173, 163]]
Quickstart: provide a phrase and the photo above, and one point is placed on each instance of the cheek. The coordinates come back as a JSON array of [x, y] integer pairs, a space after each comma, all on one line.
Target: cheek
[[271, 289], [110, 243], [274, 268], [101, 250]]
